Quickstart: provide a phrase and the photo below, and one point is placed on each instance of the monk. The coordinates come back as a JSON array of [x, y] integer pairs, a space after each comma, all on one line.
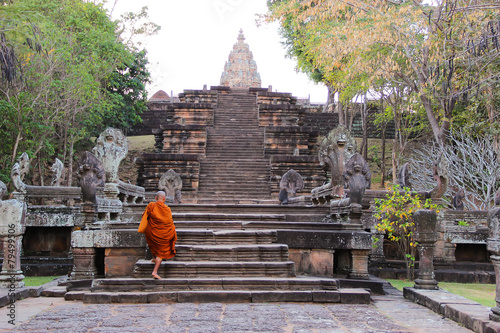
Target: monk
[[160, 232]]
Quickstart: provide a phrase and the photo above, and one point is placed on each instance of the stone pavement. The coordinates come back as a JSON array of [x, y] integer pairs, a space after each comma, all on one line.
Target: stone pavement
[[386, 314]]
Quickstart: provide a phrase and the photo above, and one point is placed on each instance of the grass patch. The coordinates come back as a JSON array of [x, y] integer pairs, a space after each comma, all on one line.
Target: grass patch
[[33, 281], [484, 294]]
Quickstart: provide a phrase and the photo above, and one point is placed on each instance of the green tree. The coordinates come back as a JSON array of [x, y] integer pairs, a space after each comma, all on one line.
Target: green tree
[[439, 52], [84, 76], [395, 220]]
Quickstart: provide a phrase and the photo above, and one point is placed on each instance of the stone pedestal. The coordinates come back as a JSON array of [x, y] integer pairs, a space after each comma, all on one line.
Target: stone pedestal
[[495, 315], [89, 213], [83, 263], [359, 265], [12, 227], [12, 276], [493, 245], [426, 236]]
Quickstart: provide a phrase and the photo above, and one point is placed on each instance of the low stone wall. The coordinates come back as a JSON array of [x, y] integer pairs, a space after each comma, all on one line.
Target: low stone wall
[[281, 115], [289, 140], [179, 139], [307, 166], [153, 166]]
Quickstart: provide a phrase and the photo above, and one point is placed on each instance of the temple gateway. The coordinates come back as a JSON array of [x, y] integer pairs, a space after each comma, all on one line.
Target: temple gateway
[[264, 188]]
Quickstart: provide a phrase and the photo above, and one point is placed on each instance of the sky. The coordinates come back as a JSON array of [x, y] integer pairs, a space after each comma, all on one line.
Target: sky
[[197, 36]]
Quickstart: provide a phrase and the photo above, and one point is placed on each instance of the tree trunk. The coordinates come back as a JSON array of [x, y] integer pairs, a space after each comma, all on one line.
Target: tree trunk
[[364, 125], [394, 159], [40, 171], [340, 108], [70, 163], [382, 164], [16, 145]]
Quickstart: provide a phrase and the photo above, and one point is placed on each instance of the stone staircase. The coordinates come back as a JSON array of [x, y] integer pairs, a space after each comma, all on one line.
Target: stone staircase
[[225, 255], [234, 165]]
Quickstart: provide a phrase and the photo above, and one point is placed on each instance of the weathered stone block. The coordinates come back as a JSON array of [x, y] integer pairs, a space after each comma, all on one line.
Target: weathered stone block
[[281, 296], [326, 296], [97, 298], [215, 296], [132, 297], [354, 296], [162, 297], [119, 262]]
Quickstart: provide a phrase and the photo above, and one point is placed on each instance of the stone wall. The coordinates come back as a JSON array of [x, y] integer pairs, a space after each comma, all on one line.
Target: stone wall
[[179, 139], [153, 166], [307, 166], [289, 140]]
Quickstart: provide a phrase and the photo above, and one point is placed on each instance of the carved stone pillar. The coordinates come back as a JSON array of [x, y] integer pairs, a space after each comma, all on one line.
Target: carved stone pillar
[[83, 263], [493, 245], [12, 227], [12, 275], [359, 265], [426, 237]]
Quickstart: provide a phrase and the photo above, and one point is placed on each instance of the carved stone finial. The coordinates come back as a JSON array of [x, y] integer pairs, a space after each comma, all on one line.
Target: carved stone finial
[[57, 172], [357, 178], [458, 203], [24, 164], [111, 149], [290, 183], [91, 176], [15, 176], [171, 183], [440, 172], [404, 176], [240, 70]]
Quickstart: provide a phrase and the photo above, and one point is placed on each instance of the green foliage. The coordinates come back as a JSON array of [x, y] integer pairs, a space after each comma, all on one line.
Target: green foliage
[[75, 78], [395, 219], [463, 223]]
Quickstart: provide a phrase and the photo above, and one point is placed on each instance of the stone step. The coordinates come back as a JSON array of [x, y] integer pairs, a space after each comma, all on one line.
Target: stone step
[[188, 236], [221, 283], [344, 296], [226, 217], [197, 269], [242, 253]]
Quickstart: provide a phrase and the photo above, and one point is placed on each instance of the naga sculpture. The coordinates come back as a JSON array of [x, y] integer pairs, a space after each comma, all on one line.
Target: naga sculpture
[[357, 178], [440, 173], [19, 170], [91, 176], [334, 151], [171, 183], [57, 172], [111, 148], [458, 200], [404, 176], [290, 183]]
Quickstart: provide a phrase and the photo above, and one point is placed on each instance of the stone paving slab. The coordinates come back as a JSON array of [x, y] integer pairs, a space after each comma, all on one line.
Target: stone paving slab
[[387, 314], [467, 313]]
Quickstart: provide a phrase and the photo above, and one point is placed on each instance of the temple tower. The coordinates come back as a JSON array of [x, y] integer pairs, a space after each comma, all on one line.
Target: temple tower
[[240, 70]]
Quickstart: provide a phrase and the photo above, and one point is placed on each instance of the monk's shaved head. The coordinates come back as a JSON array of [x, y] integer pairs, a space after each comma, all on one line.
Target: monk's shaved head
[[160, 195]]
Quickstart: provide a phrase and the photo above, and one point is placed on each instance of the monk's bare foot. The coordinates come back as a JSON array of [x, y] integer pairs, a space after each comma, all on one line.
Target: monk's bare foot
[[153, 260], [156, 276]]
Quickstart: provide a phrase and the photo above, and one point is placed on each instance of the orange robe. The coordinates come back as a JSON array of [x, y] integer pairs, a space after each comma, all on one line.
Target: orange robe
[[160, 232]]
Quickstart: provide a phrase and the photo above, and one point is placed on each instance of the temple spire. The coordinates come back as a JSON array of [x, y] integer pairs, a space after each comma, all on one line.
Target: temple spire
[[240, 69]]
